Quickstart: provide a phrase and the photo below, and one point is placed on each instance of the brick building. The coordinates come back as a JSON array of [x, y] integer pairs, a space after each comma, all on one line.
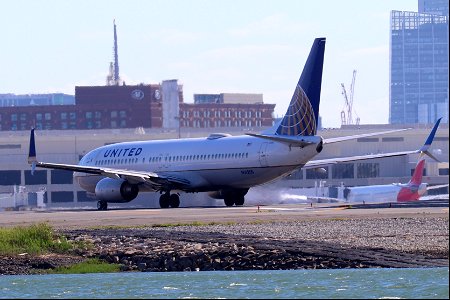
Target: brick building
[[132, 106]]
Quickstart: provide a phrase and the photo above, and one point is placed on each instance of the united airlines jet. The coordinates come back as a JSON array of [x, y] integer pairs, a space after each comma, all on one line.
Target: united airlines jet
[[225, 166]]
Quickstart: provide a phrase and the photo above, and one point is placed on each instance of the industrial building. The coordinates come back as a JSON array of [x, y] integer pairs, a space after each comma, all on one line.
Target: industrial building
[[419, 57]]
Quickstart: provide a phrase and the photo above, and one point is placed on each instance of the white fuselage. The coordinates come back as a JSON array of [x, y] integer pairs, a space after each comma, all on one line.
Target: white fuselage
[[208, 164], [383, 193]]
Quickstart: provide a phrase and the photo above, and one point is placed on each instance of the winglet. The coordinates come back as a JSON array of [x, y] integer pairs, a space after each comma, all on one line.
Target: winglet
[[32, 152], [424, 149]]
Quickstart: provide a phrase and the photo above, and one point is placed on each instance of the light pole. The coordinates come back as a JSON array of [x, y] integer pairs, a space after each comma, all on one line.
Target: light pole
[[179, 126]]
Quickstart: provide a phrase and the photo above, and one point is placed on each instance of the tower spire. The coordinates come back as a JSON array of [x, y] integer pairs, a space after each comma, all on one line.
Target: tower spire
[[116, 77], [113, 77]]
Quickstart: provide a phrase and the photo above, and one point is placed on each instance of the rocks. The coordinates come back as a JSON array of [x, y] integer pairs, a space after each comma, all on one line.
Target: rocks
[[27, 264], [319, 244]]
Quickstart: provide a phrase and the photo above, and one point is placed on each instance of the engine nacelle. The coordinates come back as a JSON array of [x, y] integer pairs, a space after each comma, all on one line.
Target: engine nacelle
[[116, 190]]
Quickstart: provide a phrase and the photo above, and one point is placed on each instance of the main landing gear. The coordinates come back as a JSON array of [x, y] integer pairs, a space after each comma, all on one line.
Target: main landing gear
[[234, 200], [236, 197], [102, 205], [167, 200]]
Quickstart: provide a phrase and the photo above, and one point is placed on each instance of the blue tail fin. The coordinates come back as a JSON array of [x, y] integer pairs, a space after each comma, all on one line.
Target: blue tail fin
[[303, 113]]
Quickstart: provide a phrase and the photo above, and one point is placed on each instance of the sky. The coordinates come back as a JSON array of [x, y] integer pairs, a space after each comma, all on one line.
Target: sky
[[209, 46]]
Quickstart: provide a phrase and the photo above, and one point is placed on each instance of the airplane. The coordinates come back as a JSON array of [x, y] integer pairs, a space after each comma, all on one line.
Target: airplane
[[395, 192], [224, 166]]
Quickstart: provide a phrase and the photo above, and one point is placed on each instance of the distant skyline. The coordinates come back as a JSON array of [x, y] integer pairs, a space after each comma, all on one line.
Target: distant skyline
[[210, 46]]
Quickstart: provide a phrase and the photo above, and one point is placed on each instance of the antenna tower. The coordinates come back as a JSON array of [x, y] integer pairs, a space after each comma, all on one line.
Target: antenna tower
[[113, 77]]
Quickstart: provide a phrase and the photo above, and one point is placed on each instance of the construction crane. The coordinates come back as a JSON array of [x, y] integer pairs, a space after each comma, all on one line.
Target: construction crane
[[347, 111]]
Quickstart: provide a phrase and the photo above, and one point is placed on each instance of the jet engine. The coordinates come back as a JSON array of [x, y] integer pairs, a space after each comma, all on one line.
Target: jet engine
[[116, 190]]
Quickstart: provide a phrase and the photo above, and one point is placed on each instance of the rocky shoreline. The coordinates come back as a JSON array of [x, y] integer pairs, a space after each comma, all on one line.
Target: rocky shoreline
[[306, 244]]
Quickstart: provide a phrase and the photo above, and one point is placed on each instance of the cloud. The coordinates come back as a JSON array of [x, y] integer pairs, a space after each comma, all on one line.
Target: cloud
[[366, 111], [370, 51], [246, 51], [271, 25], [174, 36]]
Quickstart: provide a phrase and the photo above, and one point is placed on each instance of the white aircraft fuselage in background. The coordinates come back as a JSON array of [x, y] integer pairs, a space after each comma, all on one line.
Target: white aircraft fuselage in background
[[384, 193], [395, 192]]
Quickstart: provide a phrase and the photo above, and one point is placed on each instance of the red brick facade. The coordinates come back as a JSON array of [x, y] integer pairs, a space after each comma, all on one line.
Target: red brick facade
[[104, 107]]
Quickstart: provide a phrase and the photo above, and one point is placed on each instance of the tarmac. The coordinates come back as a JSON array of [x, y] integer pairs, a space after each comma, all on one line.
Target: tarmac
[[89, 218]]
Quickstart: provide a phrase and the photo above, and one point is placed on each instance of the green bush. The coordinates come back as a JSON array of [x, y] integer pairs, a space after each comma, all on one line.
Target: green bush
[[34, 239]]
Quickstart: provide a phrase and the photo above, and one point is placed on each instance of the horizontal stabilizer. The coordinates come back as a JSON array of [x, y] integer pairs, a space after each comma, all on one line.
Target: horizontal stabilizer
[[295, 141]]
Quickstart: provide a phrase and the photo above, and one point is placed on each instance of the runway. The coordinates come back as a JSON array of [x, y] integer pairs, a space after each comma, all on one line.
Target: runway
[[81, 218]]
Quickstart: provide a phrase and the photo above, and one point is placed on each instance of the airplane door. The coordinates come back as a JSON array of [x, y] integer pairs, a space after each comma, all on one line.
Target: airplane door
[[263, 155], [166, 161], [161, 162]]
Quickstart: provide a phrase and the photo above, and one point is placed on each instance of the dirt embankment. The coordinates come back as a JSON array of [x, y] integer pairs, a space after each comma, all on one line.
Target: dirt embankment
[[321, 244]]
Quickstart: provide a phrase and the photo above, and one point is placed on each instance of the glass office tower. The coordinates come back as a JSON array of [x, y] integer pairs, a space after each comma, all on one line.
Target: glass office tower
[[419, 64]]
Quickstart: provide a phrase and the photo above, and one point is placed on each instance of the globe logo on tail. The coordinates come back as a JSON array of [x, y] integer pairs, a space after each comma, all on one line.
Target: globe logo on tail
[[299, 118]]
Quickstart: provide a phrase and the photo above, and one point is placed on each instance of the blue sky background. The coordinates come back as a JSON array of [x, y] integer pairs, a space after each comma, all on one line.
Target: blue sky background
[[210, 46]]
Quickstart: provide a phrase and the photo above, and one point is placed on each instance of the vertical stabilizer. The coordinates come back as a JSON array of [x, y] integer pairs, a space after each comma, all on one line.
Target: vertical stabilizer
[[303, 113], [417, 175], [412, 191]]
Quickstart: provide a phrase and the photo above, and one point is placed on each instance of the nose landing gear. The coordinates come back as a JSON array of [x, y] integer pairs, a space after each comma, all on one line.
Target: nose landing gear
[[102, 205]]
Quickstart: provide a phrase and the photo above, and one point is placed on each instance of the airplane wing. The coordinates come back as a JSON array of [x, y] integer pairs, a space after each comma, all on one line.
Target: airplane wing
[[135, 177], [151, 179], [302, 141], [353, 137], [326, 162], [433, 187], [331, 161]]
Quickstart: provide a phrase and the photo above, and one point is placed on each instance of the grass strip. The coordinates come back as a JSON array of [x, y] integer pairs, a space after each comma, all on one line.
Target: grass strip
[[33, 239], [92, 265]]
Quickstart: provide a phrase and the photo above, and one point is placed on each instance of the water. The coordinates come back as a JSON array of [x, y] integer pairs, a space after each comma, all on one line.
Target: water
[[343, 283]]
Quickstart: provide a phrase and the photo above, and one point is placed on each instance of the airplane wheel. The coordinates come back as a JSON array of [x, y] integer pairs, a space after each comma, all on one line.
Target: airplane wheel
[[229, 201], [102, 205], [239, 200], [174, 200], [164, 201]]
